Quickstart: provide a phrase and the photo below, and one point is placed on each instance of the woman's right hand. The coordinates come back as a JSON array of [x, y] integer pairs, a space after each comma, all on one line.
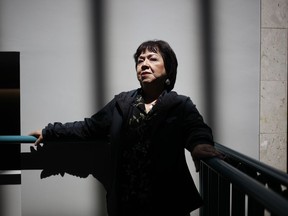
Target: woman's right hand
[[38, 135]]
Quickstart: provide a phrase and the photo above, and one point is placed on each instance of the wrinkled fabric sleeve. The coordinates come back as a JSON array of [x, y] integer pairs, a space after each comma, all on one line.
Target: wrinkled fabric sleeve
[[196, 131], [97, 126]]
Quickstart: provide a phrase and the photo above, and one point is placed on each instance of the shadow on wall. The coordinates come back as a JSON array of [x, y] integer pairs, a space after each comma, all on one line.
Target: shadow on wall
[[206, 26], [75, 158], [98, 34]]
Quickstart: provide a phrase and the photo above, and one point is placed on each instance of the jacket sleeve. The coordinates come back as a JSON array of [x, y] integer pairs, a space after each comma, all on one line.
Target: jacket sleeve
[[97, 126], [196, 131]]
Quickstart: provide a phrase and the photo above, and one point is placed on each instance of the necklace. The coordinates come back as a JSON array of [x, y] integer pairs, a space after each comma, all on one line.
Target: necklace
[[149, 106]]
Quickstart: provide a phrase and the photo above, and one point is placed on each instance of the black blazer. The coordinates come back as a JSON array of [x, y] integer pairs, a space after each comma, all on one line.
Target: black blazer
[[177, 126]]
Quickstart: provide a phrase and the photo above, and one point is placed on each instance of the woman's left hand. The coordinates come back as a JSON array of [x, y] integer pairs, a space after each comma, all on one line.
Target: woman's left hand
[[201, 151], [38, 135]]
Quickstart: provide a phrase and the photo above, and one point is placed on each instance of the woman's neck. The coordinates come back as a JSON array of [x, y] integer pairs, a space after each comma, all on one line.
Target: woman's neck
[[150, 95]]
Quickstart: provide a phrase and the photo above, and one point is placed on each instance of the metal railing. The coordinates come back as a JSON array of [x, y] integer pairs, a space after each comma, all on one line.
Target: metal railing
[[240, 185], [237, 186]]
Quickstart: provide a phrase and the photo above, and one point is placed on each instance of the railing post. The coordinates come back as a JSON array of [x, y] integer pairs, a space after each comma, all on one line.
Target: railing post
[[224, 196], [238, 202], [213, 193], [204, 211]]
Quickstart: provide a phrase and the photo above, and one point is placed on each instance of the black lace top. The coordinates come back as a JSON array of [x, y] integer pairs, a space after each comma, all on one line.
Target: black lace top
[[135, 187]]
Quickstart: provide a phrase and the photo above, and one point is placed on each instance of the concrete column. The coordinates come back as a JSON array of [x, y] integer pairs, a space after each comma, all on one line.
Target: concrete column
[[273, 90]]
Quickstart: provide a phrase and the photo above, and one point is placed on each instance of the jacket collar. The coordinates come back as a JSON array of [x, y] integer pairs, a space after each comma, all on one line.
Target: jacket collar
[[165, 102], [125, 99]]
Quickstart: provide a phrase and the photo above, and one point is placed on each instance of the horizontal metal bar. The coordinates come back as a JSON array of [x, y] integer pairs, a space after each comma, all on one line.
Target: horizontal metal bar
[[17, 139], [269, 199], [10, 172], [276, 174]]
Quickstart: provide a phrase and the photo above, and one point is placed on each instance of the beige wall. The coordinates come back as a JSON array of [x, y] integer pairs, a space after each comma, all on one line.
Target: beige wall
[[273, 90]]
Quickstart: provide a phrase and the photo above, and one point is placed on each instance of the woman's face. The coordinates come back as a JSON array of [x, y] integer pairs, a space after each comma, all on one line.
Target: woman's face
[[150, 68]]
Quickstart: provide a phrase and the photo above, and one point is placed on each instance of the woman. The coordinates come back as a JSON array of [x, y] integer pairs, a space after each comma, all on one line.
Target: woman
[[148, 130]]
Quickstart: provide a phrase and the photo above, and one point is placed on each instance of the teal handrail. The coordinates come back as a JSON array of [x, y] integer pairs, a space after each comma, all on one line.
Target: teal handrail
[[17, 139]]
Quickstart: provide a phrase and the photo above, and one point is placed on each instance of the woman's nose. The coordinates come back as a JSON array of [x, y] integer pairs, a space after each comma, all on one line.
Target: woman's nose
[[145, 64]]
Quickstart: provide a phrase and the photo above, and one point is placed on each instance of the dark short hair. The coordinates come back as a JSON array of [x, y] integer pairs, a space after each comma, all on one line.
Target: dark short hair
[[168, 55]]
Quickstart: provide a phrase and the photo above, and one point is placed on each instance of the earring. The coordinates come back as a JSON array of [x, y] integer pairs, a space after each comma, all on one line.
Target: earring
[[167, 82]]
